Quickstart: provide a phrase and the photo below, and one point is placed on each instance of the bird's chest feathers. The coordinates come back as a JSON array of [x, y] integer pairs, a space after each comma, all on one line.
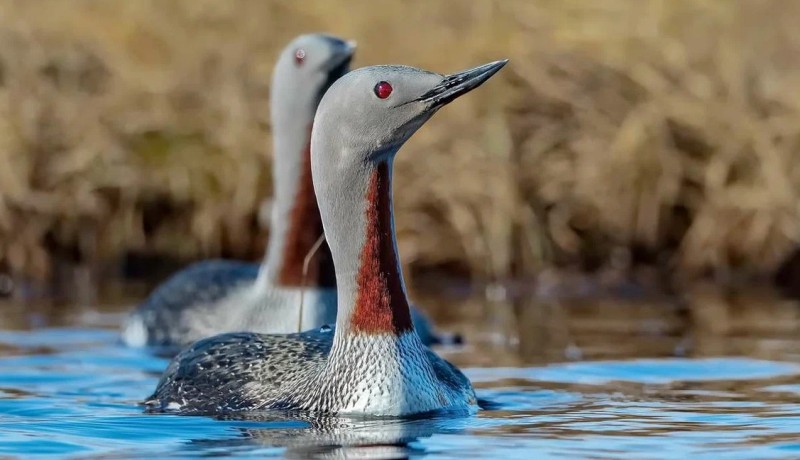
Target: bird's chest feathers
[[383, 375]]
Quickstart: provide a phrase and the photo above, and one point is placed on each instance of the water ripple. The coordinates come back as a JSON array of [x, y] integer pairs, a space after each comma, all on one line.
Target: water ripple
[[74, 392]]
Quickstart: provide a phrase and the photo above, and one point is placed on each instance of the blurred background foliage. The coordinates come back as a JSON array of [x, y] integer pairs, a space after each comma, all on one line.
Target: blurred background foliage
[[623, 134]]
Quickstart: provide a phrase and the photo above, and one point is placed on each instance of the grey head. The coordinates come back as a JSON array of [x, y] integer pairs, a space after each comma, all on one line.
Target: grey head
[[376, 109], [361, 122], [305, 69]]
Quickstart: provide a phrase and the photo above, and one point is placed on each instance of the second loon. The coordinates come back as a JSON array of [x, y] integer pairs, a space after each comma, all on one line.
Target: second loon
[[219, 296]]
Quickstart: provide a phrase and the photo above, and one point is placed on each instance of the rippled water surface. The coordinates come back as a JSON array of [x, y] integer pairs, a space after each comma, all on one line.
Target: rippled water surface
[[616, 380]]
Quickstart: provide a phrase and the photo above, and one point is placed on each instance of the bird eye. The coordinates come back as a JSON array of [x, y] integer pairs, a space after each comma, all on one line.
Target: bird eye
[[383, 89], [299, 56]]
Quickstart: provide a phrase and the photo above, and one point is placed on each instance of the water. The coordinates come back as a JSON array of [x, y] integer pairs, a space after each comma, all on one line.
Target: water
[[598, 380]]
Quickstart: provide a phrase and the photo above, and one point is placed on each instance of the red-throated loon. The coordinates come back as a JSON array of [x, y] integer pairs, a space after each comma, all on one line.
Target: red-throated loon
[[373, 363]]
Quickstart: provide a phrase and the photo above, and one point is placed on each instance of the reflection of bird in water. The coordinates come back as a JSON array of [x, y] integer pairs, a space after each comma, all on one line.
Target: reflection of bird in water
[[308, 436], [374, 363]]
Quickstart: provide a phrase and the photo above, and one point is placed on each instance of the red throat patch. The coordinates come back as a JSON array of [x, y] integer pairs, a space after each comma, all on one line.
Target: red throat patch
[[381, 304], [305, 228]]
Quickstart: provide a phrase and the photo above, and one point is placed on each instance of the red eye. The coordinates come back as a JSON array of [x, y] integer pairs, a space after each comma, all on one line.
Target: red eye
[[383, 89], [299, 56]]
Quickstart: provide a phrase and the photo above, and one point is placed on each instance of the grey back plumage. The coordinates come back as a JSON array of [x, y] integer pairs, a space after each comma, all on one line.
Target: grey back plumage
[[202, 283]]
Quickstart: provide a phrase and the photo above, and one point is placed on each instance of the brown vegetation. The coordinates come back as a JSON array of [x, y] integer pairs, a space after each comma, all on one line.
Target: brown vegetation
[[656, 131]]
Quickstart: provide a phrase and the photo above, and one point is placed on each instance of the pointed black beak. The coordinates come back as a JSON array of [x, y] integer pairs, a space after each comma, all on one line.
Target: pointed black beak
[[347, 50], [339, 64], [343, 52], [460, 83]]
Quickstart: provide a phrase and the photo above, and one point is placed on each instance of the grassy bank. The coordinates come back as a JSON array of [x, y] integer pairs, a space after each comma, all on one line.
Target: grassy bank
[[622, 132]]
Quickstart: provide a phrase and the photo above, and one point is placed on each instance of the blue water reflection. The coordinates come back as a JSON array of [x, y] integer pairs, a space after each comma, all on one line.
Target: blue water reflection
[[74, 392]]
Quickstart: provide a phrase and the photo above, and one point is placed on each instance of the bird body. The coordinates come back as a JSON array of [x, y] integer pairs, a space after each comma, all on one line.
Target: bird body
[[239, 372], [188, 305]]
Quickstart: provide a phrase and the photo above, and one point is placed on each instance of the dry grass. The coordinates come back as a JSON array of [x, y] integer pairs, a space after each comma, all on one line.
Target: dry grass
[[658, 131]]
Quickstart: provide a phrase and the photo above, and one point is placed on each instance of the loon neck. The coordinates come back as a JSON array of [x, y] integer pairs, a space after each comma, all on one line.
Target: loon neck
[[381, 305], [356, 205], [295, 224]]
